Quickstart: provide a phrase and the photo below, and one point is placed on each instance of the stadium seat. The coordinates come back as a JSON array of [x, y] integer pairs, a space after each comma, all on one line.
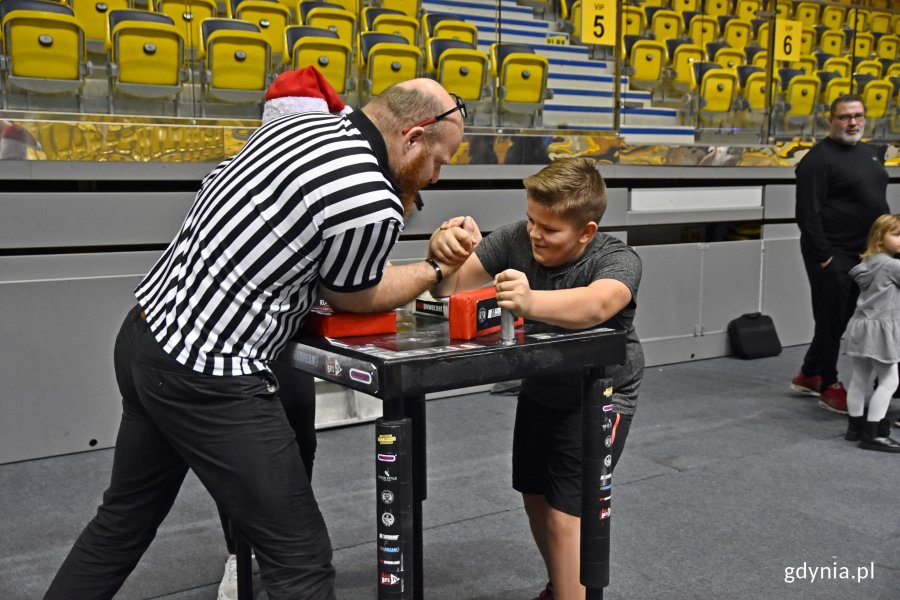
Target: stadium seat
[[833, 17], [783, 9], [718, 8], [633, 20], [703, 29], [864, 44], [879, 22], [410, 8], [682, 62], [737, 33], [461, 69], [832, 42], [448, 26], [146, 56], [833, 85], [336, 18], [729, 58], [857, 19], [322, 49], [271, 17], [351, 6], [237, 61], [387, 59], [867, 67], [800, 92], [753, 88], [388, 20], [747, 9], [807, 13], [876, 96], [760, 59], [187, 16], [666, 25], [43, 49], [522, 77], [683, 6], [646, 63], [807, 40], [807, 64], [717, 88], [94, 17], [887, 47], [838, 64]]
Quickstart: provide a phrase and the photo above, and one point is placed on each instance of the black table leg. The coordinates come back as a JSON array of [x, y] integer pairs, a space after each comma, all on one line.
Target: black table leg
[[596, 489], [243, 553], [414, 408]]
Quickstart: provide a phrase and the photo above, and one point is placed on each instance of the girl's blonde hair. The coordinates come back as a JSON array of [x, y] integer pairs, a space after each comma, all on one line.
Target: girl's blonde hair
[[880, 228]]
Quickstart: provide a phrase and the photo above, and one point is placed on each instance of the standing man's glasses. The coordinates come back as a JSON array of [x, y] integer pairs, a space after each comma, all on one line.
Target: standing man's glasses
[[848, 118], [460, 106]]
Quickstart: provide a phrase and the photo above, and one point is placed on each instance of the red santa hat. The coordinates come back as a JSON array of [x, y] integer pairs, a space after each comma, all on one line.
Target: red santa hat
[[303, 90]]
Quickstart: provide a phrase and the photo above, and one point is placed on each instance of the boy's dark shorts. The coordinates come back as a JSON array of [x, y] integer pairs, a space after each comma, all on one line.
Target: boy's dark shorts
[[547, 452]]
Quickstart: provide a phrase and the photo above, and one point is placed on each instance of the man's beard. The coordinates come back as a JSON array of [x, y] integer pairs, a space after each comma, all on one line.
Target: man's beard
[[407, 179], [849, 139]]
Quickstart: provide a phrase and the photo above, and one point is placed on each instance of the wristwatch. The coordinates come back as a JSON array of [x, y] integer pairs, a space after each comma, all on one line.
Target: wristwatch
[[437, 270]]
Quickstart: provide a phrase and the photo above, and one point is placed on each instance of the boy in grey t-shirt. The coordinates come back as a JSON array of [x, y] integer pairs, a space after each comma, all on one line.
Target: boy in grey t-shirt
[[556, 269]]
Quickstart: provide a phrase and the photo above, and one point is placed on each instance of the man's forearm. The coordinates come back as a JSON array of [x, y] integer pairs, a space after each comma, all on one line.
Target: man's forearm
[[398, 286]]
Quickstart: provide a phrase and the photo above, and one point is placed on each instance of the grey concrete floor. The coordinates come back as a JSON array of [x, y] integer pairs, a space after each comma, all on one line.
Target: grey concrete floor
[[729, 487]]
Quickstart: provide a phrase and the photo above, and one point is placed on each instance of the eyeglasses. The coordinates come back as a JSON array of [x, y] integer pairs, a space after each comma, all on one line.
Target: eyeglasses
[[460, 106], [848, 118]]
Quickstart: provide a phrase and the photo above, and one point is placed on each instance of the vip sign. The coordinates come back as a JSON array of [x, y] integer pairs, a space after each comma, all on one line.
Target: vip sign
[[598, 22], [787, 39]]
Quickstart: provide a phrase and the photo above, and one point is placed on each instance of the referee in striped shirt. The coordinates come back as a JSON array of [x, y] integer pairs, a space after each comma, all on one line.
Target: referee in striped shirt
[[310, 206]]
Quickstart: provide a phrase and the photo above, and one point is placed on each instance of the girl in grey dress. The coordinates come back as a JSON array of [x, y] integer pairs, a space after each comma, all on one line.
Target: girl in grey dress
[[873, 336]]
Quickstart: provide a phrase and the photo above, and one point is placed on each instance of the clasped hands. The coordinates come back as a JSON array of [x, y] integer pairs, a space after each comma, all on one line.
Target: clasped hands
[[453, 242]]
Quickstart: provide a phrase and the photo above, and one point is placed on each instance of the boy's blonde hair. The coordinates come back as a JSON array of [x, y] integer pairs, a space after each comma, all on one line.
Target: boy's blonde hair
[[881, 227], [571, 188]]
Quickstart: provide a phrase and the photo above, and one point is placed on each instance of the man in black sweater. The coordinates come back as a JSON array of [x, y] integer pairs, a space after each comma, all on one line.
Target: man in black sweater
[[841, 190]]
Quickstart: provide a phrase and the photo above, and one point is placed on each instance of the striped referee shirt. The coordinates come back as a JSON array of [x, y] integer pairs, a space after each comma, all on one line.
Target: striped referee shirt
[[308, 200]]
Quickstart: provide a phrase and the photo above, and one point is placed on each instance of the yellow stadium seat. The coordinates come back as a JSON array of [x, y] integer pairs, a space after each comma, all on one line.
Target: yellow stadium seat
[[633, 20], [807, 64], [717, 87], [666, 25], [146, 56], [760, 59], [871, 67], [857, 18], [352, 6], [685, 5], [880, 22], [801, 93], [448, 26], [237, 61], [321, 48], [338, 20], [729, 58], [646, 61], [94, 16], [718, 8], [838, 64], [864, 44], [887, 47], [43, 49], [834, 87], [833, 16], [387, 20], [753, 88], [893, 71], [187, 16], [461, 69], [876, 96], [410, 8], [522, 77], [683, 58], [737, 33], [387, 59], [703, 29], [807, 40], [783, 9], [807, 13], [270, 16], [747, 9], [832, 42]]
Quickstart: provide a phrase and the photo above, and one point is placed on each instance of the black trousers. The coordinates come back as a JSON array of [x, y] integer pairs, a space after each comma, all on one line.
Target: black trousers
[[834, 295], [297, 391], [233, 433]]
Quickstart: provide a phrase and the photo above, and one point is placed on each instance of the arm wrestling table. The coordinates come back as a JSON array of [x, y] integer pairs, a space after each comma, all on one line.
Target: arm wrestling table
[[401, 368]]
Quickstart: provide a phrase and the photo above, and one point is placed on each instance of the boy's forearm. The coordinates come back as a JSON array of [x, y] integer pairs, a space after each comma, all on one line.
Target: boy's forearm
[[576, 308]]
